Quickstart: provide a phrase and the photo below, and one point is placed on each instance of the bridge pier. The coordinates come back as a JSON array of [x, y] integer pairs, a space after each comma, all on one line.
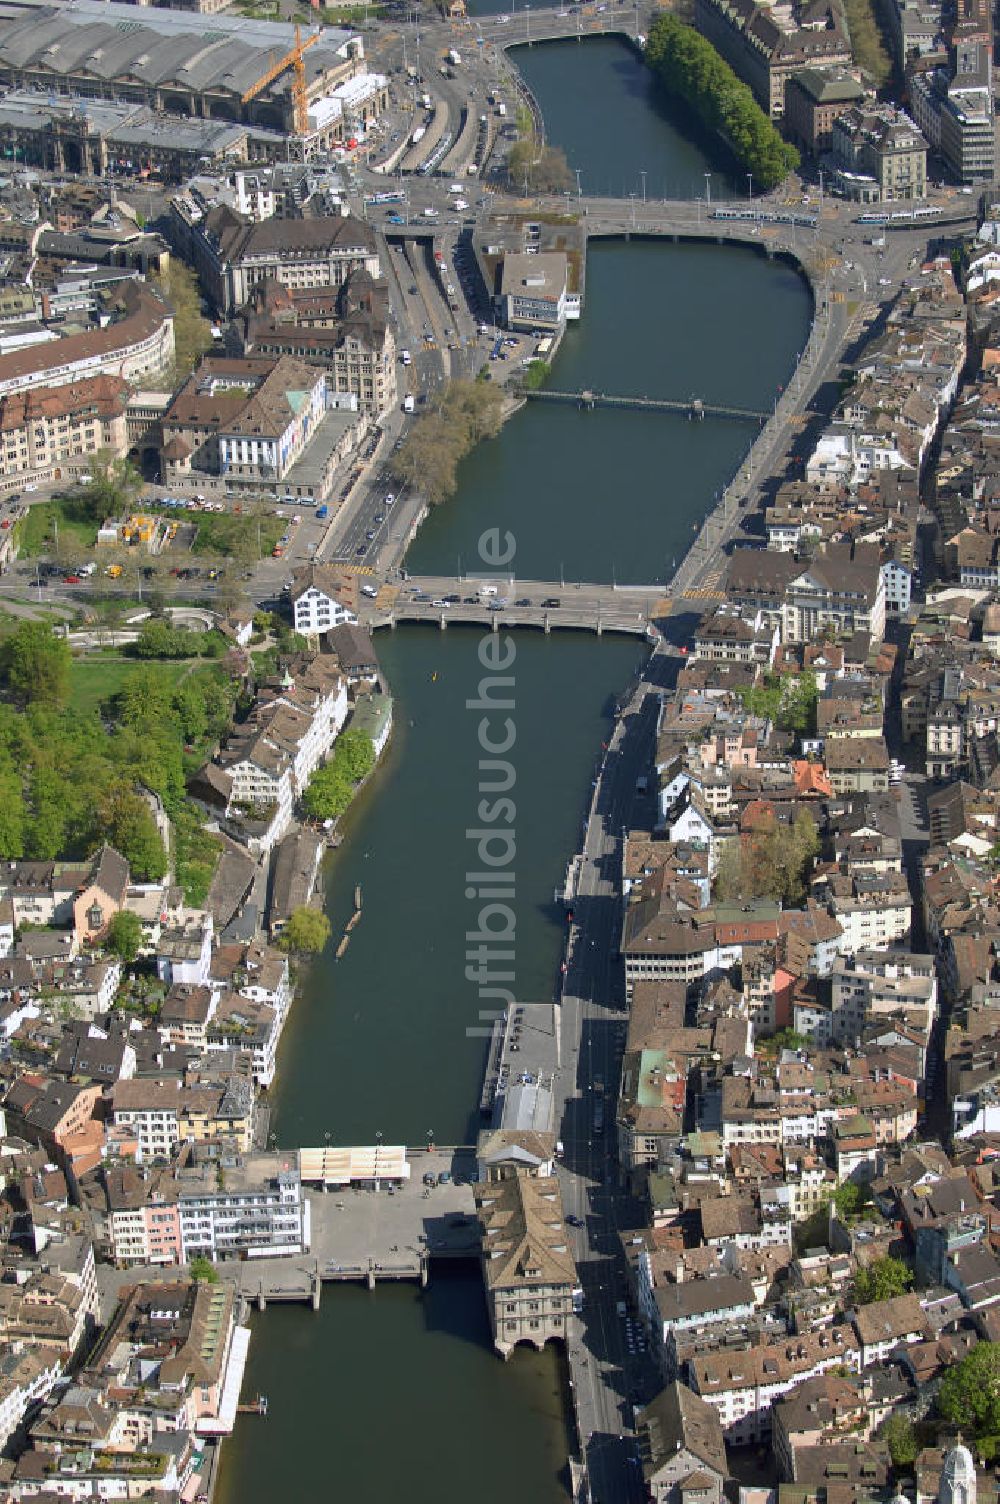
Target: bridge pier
[[261, 1301], [546, 624], [371, 1275], [599, 628], [495, 624], [317, 1290], [424, 1271], [443, 621]]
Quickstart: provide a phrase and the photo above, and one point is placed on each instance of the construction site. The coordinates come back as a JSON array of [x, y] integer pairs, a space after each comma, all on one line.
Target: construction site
[[89, 87]]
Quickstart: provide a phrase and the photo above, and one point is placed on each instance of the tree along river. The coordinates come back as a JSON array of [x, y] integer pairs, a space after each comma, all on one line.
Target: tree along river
[[395, 1393]]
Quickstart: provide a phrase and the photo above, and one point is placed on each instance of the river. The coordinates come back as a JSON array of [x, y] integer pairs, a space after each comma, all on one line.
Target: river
[[636, 141], [397, 1393], [610, 494]]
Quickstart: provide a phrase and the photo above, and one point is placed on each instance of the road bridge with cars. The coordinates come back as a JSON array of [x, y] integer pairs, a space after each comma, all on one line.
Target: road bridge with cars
[[556, 23], [543, 604]]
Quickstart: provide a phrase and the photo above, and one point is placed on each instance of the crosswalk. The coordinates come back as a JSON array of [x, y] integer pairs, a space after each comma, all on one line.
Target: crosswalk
[[705, 593]]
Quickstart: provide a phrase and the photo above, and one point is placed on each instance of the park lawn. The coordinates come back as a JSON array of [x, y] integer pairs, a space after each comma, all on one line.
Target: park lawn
[[37, 531], [231, 535], [96, 677]]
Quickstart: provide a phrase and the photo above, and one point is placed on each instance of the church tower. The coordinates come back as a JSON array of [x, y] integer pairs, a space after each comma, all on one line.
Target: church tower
[[958, 1477]]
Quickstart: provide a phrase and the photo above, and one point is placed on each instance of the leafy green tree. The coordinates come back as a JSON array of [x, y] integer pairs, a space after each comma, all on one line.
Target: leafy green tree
[[127, 822], [12, 811], [899, 1436], [144, 698], [690, 69], [851, 1198], [881, 1280], [440, 439], [329, 792], [112, 489], [787, 1039], [160, 640], [538, 169], [332, 786], [969, 1397], [37, 663], [798, 705], [203, 1271], [51, 807], [189, 707], [192, 330], [536, 375], [196, 852], [290, 642], [772, 862], [307, 930], [355, 754], [124, 935]]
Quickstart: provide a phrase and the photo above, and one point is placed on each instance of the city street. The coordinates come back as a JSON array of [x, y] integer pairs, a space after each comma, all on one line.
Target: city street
[[605, 1376]]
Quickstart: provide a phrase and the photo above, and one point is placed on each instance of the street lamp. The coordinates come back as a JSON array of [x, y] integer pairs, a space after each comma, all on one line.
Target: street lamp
[[642, 174], [750, 182], [579, 189], [527, 23], [708, 189]]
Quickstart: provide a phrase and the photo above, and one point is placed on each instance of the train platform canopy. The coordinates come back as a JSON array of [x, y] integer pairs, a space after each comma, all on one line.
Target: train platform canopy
[[358, 1165], [111, 43]]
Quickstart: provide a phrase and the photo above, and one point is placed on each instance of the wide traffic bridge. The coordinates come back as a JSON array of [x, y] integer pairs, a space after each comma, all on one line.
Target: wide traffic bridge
[[547, 605]]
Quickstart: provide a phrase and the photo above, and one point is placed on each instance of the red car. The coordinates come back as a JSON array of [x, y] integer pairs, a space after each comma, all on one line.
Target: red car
[[71, 579]]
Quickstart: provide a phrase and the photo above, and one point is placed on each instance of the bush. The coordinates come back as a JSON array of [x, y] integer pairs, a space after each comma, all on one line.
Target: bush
[[203, 1270]]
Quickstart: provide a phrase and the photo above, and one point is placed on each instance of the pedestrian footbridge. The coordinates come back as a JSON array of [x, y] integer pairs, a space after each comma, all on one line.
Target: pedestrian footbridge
[[695, 407]]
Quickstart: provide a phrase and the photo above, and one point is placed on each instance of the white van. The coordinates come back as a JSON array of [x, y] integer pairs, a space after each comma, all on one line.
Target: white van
[[487, 590], [370, 591], [405, 357]]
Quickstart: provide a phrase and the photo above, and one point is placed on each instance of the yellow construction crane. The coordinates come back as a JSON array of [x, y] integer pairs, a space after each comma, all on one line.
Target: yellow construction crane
[[294, 60]]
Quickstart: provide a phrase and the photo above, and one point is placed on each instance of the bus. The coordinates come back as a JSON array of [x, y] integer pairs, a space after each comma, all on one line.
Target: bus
[[395, 196]]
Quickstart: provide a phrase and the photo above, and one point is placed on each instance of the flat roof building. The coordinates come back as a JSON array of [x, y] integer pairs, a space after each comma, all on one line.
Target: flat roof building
[[533, 291]]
